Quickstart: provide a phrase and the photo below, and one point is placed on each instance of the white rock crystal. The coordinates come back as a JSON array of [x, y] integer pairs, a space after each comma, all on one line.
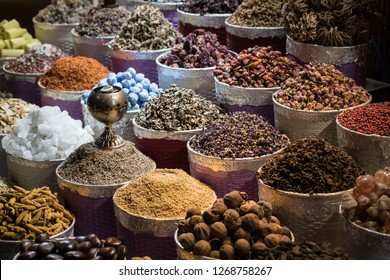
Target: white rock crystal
[[46, 134]]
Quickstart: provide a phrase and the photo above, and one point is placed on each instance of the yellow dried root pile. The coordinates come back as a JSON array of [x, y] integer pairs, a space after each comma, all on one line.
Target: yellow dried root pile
[[27, 213]]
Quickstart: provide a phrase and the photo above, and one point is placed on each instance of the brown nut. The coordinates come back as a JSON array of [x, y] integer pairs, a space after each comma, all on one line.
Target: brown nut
[[210, 216], [234, 199], [274, 220], [258, 249], [218, 230], [258, 210], [250, 222], [227, 241], [267, 207], [219, 207], [193, 211], [242, 248], [241, 233], [244, 208], [264, 229], [275, 228], [187, 240], [202, 231], [214, 254], [231, 219], [284, 239], [215, 244], [191, 222], [271, 240], [287, 232], [202, 248], [181, 226], [226, 252]]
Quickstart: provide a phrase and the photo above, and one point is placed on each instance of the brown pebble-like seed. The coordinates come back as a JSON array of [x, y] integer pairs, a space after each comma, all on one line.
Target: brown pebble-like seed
[[202, 248], [193, 211], [275, 228], [113, 241], [271, 240], [257, 249], [250, 222], [242, 248], [231, 219], [84, 246], [107, 252], [121, 250], [210, 216], [274, 219], [244, 208], [218, 230], [45, 247], [25, 244], [264, 229], [219, 208], [202, 231], [226, 252], [214, 254], [187, 240], [233, 199], [74, 255], [241, 233]]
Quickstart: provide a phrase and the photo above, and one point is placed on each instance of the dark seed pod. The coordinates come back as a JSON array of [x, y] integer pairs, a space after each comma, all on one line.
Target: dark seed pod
[[231, 219], [267, 207], [258, 249], [193, 211], [242, 248], [258, 210], [234, 199], [202, 231], [244, 208], [274, 220], [210, 216], [219, 207], [250, 222], [214, 254], [187, 240], [215, 244], [241, 233], [271, 240], [264, 229], [202, 248], [218, 230], [227, 252], [286, 232], [227, 241]]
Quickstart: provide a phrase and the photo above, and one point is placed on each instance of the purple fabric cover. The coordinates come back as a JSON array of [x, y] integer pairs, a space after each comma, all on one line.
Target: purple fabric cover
[[144, 244], [172, 17], [93, 215], [166, 153], [223, 182], [266, 111], [73, 107], [147, 67], [27, 91], [238, 44]]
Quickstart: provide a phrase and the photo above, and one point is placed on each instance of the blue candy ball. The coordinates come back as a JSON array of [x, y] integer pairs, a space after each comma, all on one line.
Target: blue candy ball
[[135, 107], [133, 98], [139, 77], [144, 96], [136, 90], [126, 84], [139, 85], [132, 71]]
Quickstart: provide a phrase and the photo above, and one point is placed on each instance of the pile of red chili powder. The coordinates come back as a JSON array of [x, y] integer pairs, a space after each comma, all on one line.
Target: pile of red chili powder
[[373, 118], [74, 74]]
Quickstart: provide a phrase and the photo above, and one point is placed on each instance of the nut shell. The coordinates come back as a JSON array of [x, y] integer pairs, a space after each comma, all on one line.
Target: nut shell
[[218, 230], [202, 231]]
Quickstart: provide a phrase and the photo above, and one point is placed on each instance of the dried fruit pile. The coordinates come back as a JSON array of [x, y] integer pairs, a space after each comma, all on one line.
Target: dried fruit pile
[[257, 67], [64, 11], [210, 7], [11, 110], [368, 205], [233, 228]]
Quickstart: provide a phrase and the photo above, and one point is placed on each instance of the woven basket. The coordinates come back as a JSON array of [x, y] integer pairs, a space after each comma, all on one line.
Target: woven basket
[[225, 175], [239, 38], [364, 244], [298, 124], [24, 86], [352, 60], [371, 152], [167, 148], [9, 248], [94, 47], [201, 80], [142, 61], [65, 100], [33, 174], [124, 127], [312, 217], [252, 100], [214, 23], [3, 159], [56, 34]]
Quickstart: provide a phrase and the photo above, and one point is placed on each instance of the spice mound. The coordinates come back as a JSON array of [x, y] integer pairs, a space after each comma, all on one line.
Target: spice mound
[[178, 109], [74, 74], [321, 87], [164, 194], [37, 60], [11, 110], [239, 135], [81, 247], [311, 165], [145, 29], [93, 166], [330, 23], [46, 134], [369, 119], [64, 11], [27, 213], [102, 22], [257, 67], [198, 49], [368, 204], [256, 13], [232, 228], [210, 7]]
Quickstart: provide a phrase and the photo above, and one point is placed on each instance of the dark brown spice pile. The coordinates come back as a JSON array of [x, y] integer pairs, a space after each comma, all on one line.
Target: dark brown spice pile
[[91, 165], [74, 74], [311, 165]]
